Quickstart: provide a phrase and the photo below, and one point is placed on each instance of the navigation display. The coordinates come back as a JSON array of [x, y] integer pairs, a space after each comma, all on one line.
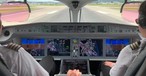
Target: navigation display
[[91, 47], [34, 46], [114, 46], [58, 47]]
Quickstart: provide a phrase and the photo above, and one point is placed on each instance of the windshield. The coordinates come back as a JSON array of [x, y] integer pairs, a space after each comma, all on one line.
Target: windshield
[[55, 11]]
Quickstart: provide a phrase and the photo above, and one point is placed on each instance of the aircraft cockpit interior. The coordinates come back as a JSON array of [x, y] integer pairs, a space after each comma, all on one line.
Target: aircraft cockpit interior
[[75, 44], [79, 43]]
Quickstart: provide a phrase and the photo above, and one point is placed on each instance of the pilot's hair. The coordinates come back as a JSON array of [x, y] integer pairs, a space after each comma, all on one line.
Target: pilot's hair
[[142, 15], [142, 8]]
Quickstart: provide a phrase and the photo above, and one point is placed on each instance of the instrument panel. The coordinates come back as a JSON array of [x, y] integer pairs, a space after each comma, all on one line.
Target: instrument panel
[[75, 28], [94, 41]]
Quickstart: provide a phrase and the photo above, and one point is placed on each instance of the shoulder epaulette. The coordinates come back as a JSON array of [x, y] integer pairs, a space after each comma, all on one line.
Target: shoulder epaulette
[[13, 46], [135, 45]]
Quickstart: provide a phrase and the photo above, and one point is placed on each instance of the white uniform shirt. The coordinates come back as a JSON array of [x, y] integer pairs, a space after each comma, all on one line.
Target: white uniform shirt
[[21, 63], [125, 58]]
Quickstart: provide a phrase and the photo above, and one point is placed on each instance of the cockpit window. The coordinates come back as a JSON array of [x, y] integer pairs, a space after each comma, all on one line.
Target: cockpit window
[[55, 11]]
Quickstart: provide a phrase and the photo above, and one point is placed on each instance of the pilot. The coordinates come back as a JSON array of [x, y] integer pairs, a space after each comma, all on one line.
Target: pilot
[[128, 54], [19, 62]]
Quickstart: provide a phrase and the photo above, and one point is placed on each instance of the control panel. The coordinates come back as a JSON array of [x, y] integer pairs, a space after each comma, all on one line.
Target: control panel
[[71, 64], [77, 28], [94, 41]]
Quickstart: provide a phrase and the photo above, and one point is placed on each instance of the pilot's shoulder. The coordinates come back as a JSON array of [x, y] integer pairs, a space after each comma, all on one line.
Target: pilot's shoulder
[[135, 45], [13, 46]]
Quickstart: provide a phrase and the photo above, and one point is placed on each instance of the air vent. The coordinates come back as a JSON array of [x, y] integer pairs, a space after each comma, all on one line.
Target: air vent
[[6, 33]]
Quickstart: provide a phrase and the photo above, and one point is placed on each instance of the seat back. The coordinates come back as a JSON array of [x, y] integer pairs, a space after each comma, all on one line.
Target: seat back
[[48, 64], [138, 66], [4, 70], [142, 70]]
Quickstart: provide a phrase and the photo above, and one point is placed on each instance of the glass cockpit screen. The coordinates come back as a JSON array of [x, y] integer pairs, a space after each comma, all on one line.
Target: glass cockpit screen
[[58, 47], [91, 47], [114, 46], [34, 46]]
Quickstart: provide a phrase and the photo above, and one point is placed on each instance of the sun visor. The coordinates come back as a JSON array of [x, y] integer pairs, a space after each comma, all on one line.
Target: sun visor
[[14, 12]]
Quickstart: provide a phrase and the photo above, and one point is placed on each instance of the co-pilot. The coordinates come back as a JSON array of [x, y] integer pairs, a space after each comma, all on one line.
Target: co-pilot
[[128, 54]]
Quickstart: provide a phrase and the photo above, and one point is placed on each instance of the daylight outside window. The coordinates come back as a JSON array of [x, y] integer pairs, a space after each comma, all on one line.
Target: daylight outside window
[[55, 11]]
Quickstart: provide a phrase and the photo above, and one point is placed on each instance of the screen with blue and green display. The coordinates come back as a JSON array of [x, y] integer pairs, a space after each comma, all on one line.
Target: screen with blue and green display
[[36, 47], [91, 47], [114, 46], [40, 46], [58, 47]]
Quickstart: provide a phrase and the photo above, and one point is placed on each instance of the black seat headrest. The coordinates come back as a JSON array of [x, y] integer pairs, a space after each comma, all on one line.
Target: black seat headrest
[[48, 64]]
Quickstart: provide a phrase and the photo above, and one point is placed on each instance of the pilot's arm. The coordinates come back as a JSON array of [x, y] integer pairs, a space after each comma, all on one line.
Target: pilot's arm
[[124, 59], [21, 63]]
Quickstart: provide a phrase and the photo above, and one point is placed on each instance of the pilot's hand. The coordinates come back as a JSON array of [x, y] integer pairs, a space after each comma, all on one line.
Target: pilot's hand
[[108, 63], [74, 73]]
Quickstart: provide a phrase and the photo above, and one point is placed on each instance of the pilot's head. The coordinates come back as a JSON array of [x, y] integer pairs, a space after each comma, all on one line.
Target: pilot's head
[[142, 19]]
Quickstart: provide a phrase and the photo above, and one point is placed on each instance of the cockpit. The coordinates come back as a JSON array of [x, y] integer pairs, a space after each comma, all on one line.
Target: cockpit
[[76, 43]]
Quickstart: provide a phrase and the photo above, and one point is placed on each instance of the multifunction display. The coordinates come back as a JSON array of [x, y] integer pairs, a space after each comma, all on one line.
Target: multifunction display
[[58, 47], [36, 47], [114, 46], [91, 47]]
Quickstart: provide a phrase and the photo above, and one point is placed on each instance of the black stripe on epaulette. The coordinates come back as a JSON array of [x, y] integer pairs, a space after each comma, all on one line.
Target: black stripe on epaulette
[[135, 45], [13, 46]]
